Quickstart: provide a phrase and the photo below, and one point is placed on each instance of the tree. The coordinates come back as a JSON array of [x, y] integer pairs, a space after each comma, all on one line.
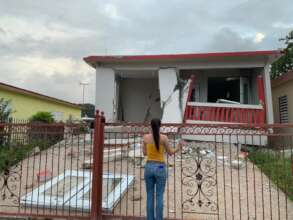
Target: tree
[[5, 113], [5, 110], [284, 63]]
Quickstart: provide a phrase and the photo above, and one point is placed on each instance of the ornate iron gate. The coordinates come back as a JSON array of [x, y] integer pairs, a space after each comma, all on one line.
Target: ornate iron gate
[[222, 172]]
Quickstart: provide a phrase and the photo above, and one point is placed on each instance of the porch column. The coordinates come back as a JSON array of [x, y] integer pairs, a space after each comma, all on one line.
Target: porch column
[[169, 96], [105, 91], [268, 94]]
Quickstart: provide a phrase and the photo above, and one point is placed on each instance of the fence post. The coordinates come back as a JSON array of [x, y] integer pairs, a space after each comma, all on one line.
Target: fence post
[[292, 168], [97, 168]]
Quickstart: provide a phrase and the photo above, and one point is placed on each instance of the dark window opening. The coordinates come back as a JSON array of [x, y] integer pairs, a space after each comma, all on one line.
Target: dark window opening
[[224, 88], [283, 109]]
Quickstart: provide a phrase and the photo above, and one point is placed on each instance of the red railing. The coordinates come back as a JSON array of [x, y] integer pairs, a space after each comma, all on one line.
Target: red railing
[[226, 113]]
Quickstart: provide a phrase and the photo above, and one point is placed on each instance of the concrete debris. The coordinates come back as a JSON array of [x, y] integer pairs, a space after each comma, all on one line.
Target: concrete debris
[[44, 175], [237, 164], [87, 165], [36, 150], [136, 197], [72, 154]]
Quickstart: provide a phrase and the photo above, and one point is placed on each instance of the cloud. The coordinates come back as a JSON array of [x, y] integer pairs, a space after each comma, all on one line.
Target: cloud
[[226, 39], [2, 31], [42, 43], [282, 25], [111, 11], [259, 37], [57, 77]]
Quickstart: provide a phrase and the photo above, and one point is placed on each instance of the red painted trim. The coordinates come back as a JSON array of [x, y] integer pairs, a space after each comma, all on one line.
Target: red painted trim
[[122, 217], [114, 216], [95, 59], [222, 114], [35, 94], [261, 96]]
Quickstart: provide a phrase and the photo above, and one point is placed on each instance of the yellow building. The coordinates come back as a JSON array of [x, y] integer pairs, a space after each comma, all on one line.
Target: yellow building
[[25, 103]]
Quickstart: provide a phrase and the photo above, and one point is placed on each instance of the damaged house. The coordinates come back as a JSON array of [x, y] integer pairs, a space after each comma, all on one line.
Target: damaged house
[[230, 87]]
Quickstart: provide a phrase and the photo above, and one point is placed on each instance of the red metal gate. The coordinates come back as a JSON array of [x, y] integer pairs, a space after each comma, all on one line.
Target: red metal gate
[[41, 170], [222, 172]]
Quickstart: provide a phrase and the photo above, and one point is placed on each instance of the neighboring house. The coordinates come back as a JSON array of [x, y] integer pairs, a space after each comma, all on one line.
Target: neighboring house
[[25, 103], [230, 87], [282, 90]]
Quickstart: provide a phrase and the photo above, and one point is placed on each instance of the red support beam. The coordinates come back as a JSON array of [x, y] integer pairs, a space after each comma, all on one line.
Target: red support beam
[[261, 97]]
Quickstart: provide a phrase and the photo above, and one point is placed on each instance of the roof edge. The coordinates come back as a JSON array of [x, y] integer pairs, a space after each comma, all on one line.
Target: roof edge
[[35, 94], [91, 60]]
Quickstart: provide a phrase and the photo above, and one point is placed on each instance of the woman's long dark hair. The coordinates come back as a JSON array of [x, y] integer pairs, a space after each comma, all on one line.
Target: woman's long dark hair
[[156, 124]]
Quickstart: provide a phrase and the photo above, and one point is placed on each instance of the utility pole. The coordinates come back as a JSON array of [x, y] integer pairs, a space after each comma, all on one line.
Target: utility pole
[[83, 84]]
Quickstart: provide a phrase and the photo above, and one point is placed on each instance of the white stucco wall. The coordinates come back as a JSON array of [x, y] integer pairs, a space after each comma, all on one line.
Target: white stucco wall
[[105, 91], [137, 95], [169, 98]]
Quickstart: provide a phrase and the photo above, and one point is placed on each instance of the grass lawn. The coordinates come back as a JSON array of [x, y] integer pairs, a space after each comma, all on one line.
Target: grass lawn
[[276, 167]]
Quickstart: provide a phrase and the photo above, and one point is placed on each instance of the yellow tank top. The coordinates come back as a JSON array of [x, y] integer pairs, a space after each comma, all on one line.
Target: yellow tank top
[[153, 154]]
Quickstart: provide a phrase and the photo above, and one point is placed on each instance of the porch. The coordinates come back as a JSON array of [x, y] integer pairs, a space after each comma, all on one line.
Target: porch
[[225, 96], [237, 100]]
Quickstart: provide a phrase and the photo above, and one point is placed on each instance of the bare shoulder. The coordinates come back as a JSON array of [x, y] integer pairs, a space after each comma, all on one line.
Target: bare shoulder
[[146, 137], [164, 138]]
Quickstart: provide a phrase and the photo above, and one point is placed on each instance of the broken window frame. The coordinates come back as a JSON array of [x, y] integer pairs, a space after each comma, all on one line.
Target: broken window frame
[[77, 202], [73, 199], [38, 198]]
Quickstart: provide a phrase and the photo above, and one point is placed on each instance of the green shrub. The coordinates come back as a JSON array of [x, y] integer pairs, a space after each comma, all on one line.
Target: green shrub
[[5, 114], [10, 156], [42, 132], [43, 117]]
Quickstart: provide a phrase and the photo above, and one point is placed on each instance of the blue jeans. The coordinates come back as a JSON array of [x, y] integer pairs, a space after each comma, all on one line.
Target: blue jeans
[[155, 176]]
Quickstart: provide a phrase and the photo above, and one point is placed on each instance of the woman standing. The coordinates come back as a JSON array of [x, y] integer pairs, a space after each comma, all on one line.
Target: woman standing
[[155, 175]]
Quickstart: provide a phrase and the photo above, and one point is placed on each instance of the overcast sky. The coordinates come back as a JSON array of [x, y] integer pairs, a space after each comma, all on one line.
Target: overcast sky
[[42, 43]]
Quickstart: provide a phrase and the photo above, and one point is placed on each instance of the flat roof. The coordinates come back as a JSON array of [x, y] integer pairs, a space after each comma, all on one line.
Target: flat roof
[[37, 95], [93, 60]]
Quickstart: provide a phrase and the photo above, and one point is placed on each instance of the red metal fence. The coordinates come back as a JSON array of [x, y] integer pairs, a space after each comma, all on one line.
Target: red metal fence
[[42, 171], [222, 172]]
